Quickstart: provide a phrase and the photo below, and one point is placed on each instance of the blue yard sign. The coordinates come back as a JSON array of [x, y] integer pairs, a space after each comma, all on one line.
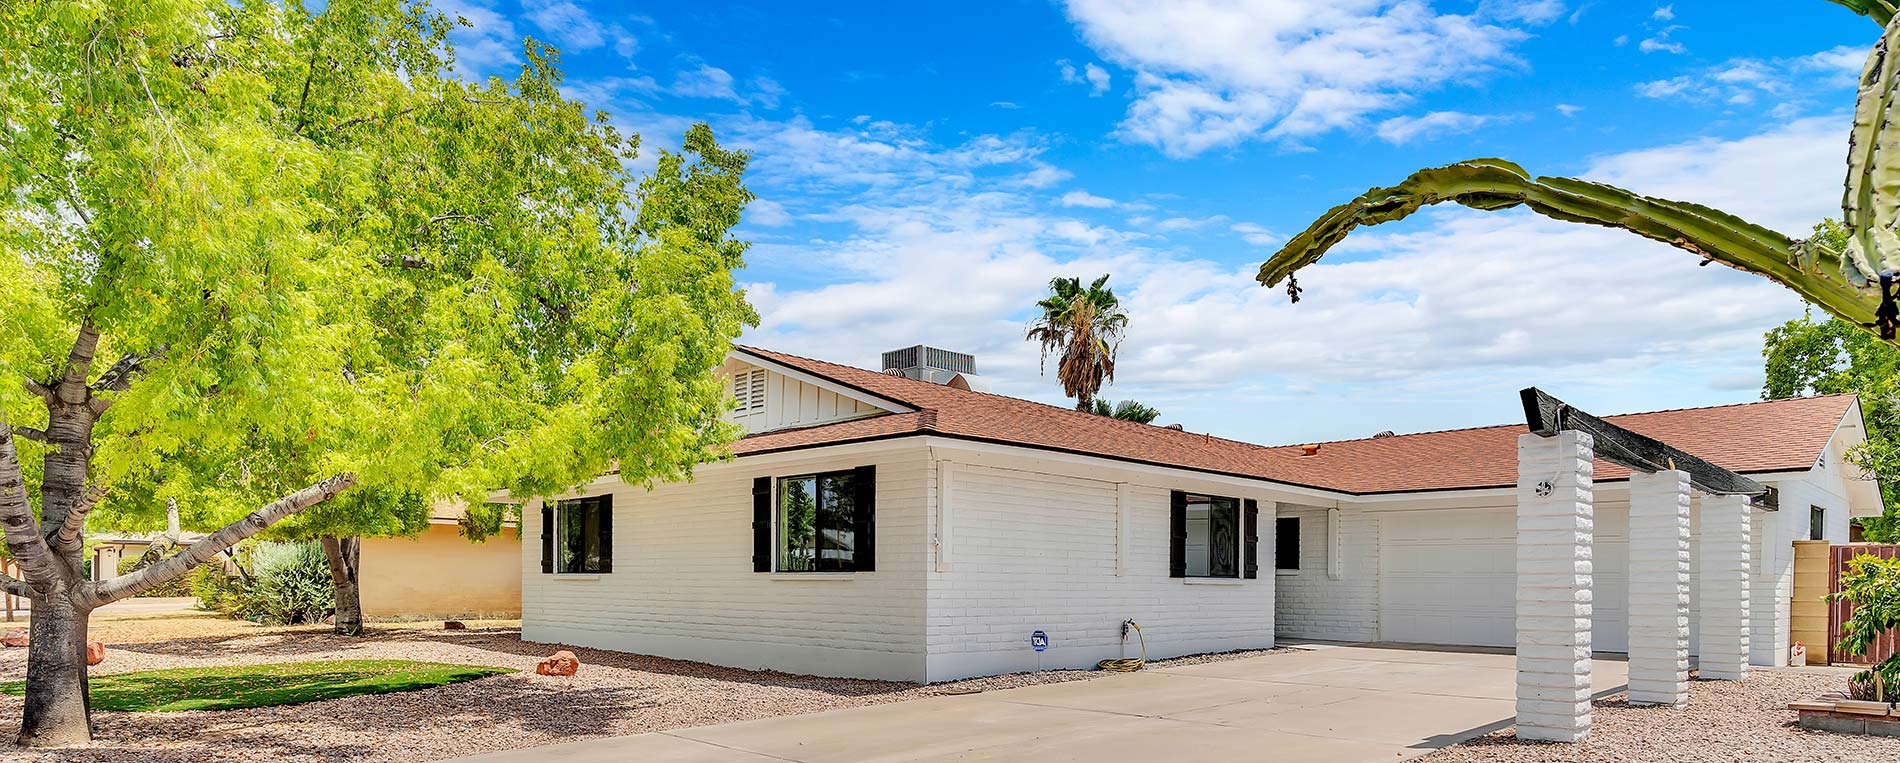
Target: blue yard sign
[[1039, 640]]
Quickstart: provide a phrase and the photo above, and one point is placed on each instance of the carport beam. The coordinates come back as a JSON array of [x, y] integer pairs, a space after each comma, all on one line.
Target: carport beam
[[1555, 540], [1659, 588]]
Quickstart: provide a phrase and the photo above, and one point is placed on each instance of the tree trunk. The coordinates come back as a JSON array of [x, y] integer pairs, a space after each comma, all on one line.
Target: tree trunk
[[58, 706], [344, 554]]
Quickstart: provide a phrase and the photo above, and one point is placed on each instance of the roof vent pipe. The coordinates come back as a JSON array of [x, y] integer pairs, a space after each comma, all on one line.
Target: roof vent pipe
[[1309, 450]]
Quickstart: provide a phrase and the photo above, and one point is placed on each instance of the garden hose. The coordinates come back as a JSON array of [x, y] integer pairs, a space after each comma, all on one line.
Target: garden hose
[[1127, 665]]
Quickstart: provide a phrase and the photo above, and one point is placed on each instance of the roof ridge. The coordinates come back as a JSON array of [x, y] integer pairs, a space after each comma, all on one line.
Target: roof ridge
[[1610, 416]]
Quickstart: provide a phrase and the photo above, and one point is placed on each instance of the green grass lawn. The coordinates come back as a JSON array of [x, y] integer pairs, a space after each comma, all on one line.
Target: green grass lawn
[[240, 686]]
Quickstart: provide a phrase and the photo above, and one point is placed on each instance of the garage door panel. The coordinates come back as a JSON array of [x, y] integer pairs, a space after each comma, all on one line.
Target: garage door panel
[[1450, 577]]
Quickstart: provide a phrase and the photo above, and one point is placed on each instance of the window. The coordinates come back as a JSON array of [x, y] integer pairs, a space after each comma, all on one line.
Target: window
[[577, 536], [823, 522], [1213, 536], [1817, 523], [1286, 543], [748, 387]]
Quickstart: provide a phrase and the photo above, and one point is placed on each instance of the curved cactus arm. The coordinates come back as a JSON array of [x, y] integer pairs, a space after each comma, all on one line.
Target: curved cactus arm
[[1881, 11], [1816, 273]]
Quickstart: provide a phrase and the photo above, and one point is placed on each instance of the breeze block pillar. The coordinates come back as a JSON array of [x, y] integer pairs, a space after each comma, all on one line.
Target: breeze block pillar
[[1659, 589], [1555, 536], [1723, 555]]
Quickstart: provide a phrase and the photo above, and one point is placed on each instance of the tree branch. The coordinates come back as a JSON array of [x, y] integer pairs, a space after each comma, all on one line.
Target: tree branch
[[67, 538], [44, 392], [71, 387], [24, 541], [109, 591], [12, 585], [120, 376], [29, 433]]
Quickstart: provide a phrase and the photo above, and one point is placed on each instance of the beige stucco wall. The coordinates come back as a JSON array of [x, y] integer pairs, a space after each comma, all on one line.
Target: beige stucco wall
[[440, 574]]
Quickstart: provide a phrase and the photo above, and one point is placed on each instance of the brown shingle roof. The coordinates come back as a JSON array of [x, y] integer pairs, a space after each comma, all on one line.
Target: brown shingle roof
[[1780, 435]]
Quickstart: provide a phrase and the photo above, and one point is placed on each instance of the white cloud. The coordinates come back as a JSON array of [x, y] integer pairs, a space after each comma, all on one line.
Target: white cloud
[[707, 81], [1256, 234], [1660, 43], [1401, 130], [574, 29], [1568, 109], [1664, 13], [1748, 81], [1097, 77], [1449, 307], [768, 213], [1536, 12], [488, 45], [1081, 198], [1211, 73], [1010, 105]]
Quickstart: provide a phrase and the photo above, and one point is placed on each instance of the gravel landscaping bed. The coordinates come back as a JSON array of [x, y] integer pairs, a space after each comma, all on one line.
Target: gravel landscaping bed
[[614, 694], [1726, 722]]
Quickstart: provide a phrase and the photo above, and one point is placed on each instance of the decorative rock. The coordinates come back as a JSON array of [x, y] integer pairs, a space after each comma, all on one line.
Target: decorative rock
[[16, 637], [95, 652], [563, 663], [454, 625]]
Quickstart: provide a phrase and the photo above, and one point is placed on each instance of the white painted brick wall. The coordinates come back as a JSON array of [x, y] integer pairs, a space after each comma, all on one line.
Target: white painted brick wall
[[1036, 551], [1309, 604], [1724, 595], [1659, 589], [683, 584], [1554, 539]]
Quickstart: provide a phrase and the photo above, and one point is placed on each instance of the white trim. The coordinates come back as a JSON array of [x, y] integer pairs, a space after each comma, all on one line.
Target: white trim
[[575, 576], [946, 471], [828, 577], [821, 382], [1124, 525], [1333, 567], [1174, 478], [1214, 581]]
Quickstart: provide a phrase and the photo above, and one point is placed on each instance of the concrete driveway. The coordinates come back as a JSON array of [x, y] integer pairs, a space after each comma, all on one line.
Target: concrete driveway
[[1323, 703]]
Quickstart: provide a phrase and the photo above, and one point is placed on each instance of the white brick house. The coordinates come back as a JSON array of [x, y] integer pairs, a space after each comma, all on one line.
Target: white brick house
[[885, 526]]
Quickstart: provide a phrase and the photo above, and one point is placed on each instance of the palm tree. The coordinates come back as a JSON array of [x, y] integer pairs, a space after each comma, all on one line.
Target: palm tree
[[1127, 410], [1084, 327]]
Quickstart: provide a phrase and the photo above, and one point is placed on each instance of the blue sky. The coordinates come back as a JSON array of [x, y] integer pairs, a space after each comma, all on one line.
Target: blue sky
[[922, 173]]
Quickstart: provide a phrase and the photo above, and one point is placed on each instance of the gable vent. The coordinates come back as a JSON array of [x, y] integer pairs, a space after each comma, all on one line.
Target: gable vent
[[748, 387]]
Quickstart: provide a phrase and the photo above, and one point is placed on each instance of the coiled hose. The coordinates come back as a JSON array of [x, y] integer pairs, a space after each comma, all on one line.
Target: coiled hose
[[1127, 664]]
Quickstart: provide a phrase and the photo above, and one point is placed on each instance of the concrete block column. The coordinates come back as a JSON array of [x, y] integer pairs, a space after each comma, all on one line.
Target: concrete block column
[[1659, 589], [1722, 643], [1555, 540]]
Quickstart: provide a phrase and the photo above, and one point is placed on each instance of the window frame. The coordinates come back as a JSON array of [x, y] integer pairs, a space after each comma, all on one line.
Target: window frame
[[777, 560], [603, 535], [1240, 536], [1817, 522]]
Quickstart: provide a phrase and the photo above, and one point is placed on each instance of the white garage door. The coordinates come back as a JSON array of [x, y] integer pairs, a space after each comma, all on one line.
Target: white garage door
[[1450, 577]]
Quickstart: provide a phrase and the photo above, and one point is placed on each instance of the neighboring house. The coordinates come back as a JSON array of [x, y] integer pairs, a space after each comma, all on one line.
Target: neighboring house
[[108, 550], [438, 574], [898, 525]]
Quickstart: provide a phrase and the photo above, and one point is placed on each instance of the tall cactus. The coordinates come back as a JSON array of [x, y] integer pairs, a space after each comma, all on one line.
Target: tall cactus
[[1857, 284]]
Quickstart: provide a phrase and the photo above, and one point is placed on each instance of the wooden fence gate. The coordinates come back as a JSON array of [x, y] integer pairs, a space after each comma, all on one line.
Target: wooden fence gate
[[1839, 611]]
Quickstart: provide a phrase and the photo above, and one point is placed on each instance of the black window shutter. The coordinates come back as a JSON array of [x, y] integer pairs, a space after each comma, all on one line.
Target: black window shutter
[[1251, 557], [547, 537], [604, 506], [762, 524], [1177, 535], [864, 534]]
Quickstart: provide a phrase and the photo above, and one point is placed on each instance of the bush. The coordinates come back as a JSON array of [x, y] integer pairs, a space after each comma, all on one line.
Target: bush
[[1873, 585], [289, 583], [178, 586]]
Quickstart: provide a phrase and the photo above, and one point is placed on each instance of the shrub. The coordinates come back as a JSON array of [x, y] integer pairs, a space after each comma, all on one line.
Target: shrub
[[1873, 585], [178, 586], [289, 583]]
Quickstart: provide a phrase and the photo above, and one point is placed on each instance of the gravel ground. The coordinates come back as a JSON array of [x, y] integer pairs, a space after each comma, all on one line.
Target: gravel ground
[[1726, 722], [614, 694]]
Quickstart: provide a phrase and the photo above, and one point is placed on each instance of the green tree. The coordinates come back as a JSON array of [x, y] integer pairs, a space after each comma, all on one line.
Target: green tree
[[256, 256], [1083, 327], [1806, 356], [1855, 281], [1126, 410]]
